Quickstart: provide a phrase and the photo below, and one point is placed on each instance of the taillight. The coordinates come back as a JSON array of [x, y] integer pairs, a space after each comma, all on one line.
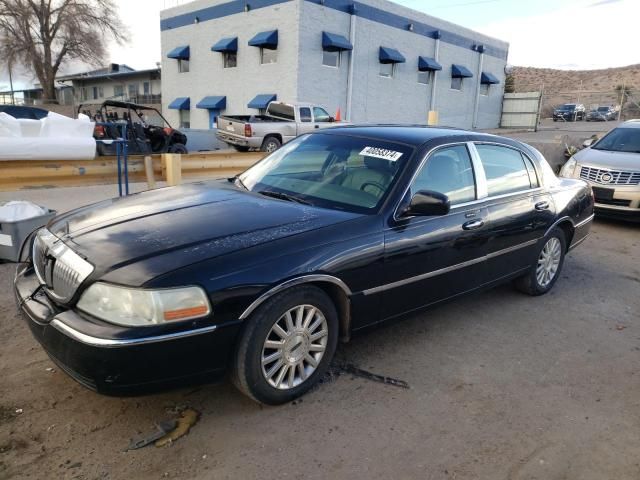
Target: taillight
[[99, 131], [167, 130], [247, 130]]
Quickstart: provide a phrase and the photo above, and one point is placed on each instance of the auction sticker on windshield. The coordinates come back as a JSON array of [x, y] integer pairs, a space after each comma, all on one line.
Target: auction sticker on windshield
[[383, 153]]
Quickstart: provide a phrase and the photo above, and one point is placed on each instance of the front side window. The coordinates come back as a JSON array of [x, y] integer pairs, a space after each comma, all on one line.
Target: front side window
[[387, 70], [504, 168], [331, 59], [321, 115], [449, 171], [185, 119], [456, 83], [484, 89], [331, 171], [305, 114], [424, 77], [268, 55], [183, 66], [230, 59]]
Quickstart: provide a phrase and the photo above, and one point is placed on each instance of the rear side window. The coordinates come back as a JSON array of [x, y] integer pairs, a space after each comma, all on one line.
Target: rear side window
[[504, 168], [448, 171], [305, 114]]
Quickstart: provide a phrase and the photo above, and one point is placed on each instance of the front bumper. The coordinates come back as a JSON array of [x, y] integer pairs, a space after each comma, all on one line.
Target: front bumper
[[116, 360]]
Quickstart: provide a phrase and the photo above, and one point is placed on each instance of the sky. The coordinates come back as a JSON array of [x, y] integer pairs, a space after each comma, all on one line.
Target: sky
[[566, 34]]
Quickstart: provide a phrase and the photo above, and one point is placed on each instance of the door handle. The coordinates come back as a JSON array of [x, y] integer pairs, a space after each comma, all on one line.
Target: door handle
[[317, 126], [472, 225], [540, 206]]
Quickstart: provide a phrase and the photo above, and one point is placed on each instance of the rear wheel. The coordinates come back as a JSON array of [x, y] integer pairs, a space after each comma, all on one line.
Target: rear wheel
[[287, 346], [271, 144], [547, 266], [178, 148]]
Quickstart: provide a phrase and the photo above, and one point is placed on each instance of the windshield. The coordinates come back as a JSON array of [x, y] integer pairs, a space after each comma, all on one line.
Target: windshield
[[620, 140], [603, 109], [331, 171], [566, 107]]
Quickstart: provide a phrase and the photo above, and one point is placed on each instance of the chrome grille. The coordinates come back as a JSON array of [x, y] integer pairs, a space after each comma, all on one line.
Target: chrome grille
[[58, 268], [609, 177]]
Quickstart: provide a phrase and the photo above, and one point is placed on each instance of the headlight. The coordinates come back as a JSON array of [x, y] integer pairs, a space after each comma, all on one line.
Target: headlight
[[140, 307], [568, 168]]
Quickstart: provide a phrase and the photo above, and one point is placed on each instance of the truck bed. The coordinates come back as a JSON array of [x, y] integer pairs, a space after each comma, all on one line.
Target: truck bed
[[252, 118]]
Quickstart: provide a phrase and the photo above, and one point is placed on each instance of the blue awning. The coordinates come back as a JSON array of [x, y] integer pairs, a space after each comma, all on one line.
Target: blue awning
[[426, 64], [332, 42], [229, 44], [181, 103], [391, 55], [179, 53], [265, 40], [261, 101], [460, 71], [214, 102], [489, 78]]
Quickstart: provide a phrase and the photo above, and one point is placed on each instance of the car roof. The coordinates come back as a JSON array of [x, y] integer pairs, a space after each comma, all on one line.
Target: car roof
[[409, 134]]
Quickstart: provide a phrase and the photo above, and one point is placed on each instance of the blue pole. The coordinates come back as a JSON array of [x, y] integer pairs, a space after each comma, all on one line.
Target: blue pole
[[119, 168], [126, 162]]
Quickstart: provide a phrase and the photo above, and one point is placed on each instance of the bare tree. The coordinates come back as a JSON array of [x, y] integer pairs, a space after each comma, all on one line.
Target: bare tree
[[44, 34]]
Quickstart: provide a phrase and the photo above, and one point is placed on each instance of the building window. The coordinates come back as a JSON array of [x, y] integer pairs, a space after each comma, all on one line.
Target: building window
[[100, 92], [230, 59], [133, 90], [268, 55], [146, 88], [95, 93], [183, 65], [185, 118], [456, 83], [387, 69], [331, 59], [118, 90], [484, 89], [424, 77]]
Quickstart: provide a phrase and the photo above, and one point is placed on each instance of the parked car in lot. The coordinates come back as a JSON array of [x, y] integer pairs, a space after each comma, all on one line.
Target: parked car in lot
[[282, 122], [262, 274], [612, 166], [147, 131], [602, 114], [569, 112]]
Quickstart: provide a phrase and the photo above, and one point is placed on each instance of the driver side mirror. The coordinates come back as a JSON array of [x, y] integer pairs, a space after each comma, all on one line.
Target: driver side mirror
[[427, 203], [331, 119]]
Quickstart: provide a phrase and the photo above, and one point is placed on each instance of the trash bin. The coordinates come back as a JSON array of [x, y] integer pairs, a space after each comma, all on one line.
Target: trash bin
[[14, 233]]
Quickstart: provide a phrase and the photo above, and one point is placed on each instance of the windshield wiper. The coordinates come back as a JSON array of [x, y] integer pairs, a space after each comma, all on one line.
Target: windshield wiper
[[283, 196]]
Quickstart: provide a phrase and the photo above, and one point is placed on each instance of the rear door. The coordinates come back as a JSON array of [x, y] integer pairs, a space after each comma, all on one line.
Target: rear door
[[519, 210], [429, 259], [305, 123]]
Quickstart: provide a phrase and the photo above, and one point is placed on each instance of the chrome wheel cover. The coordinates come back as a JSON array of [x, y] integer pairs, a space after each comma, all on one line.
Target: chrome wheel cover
[[294, 347], [549, 262], [271, 147]]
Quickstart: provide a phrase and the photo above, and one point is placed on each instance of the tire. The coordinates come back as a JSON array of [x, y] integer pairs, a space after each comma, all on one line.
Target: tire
[[531, 283], [240, 148], [270, 144], [265, 382], [178, 148]]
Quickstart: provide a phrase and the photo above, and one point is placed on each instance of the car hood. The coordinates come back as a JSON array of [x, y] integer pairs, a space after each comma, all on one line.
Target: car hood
[[610, 160], [190, 223]]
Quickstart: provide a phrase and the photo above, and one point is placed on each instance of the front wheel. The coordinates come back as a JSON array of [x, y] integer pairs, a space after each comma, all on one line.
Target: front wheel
[[546, 268], [287, 345]]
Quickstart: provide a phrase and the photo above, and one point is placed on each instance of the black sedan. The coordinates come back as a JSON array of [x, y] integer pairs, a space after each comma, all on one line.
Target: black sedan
[[261, 275], [569, 112]]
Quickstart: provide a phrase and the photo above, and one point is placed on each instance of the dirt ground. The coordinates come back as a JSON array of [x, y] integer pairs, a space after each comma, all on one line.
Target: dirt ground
[[503, 386]]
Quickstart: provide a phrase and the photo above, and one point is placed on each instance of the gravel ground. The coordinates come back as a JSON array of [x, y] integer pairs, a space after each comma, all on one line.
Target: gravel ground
[[503, 386]]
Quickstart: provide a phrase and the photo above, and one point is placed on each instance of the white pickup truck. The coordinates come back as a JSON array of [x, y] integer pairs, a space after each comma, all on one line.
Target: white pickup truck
[[282, 122]]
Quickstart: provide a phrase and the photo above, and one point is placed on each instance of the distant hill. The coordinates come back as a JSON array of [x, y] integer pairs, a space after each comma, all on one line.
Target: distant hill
[[528, 78], [592, 88]]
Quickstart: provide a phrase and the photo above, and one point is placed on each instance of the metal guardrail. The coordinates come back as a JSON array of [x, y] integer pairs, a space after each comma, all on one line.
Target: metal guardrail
[[27, 174]]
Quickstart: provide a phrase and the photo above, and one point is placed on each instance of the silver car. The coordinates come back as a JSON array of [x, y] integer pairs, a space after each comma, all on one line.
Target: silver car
[[612, 167]]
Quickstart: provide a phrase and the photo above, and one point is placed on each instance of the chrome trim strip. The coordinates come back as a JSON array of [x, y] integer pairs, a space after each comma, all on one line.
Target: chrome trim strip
[[441, 271], [585, 221], [292, 282], [482, 187], [575, 244], [557, 222], [111, 343]]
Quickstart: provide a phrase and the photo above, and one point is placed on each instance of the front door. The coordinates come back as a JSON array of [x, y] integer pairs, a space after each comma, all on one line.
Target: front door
[[429, 259]]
